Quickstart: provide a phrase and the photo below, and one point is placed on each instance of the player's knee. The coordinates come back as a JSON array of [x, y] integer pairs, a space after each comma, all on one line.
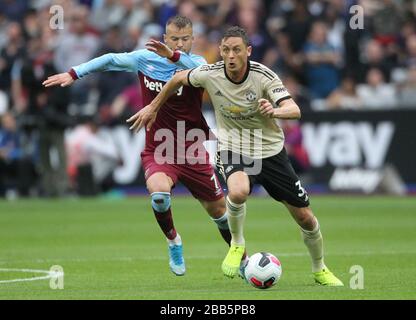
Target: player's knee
[[239, 195], [158, 185], [160, 201]]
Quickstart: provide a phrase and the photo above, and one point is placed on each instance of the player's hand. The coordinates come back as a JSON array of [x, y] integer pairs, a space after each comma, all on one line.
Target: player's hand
[[159, 48], [61, 79], [145, 117], [266, 108]]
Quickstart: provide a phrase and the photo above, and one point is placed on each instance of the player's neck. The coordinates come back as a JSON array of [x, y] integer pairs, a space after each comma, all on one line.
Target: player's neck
[[239, 75]]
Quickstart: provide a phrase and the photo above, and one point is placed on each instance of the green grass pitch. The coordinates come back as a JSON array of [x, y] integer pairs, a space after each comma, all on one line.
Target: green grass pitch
[[113, 249]]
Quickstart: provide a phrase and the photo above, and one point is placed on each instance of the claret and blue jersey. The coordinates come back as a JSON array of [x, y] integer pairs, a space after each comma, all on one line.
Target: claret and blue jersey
[[153, 72]]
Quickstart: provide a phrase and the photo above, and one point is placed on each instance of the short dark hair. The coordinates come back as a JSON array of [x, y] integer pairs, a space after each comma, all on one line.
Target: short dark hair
[[238, 32], [179, 21]]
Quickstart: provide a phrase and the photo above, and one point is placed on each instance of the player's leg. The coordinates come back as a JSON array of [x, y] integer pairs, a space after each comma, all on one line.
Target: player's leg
[[238, 185], [159, 185], [203, 183], [281, 182], [217, 211], [312, 237]]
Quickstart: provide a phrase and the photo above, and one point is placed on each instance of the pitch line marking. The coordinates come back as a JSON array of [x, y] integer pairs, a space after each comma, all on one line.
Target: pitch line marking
[[49, 275]]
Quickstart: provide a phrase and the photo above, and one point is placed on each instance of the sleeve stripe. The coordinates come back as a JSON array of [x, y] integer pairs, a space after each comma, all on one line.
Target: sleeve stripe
[[189, 80], [282, 99], [263, 73], [263, 70]]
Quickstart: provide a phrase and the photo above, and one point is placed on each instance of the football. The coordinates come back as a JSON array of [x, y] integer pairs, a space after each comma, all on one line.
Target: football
[[263, 270]]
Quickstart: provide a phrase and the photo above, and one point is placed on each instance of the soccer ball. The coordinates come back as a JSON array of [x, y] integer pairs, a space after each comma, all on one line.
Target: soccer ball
[[263, 270]]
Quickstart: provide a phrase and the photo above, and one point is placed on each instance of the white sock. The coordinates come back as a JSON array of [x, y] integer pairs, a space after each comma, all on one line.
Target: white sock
[[314, 242], [222, 222], [175, 241], [236, 216]]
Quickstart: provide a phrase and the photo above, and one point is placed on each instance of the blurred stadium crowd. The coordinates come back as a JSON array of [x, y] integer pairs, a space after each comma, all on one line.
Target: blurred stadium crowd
[[324, 63]]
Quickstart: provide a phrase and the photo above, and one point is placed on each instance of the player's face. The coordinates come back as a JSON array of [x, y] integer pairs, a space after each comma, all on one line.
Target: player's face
[[235, 53], [179, 39]]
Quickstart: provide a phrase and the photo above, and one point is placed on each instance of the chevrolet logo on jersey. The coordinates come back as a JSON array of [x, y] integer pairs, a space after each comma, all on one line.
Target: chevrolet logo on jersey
[[236, 111]]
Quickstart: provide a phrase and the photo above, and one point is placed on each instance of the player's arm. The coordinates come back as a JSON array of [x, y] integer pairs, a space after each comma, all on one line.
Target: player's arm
[[277, 102], [286, 109], [147, 115], [181, 59], [130, 62]]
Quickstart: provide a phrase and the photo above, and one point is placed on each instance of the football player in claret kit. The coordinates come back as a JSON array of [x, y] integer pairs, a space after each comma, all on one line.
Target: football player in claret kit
[[155, 66], [247, 98]]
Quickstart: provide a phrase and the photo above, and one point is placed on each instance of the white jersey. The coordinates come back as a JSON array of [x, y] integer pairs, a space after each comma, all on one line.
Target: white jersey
[[241, 127]]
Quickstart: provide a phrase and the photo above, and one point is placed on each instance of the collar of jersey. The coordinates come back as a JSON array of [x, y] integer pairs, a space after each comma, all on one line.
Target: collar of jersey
[[245, 75]]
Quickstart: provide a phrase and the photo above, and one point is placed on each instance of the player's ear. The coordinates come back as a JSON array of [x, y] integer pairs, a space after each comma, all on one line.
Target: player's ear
[[164, 38], [249, 49]]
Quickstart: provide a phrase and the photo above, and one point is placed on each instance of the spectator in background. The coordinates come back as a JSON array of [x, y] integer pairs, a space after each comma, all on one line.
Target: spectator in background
[[135, 13], [336, 24], [298, 24], [322, 61], [106, 13], [204, 47], [92, 158], [249, 17], [407, 90], [75, 47], [31, 27], [387, 21], [80, 44], [410, 57], [375, 58], [3, 31], [49, 109], [345, 97], [4, 103], [16, 172], [14, 10], [150, 31], [111, 84], [14, 49], [376, 94], [214, 13]]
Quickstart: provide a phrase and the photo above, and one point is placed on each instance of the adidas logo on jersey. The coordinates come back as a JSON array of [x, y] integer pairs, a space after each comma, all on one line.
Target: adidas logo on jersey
[[218, 93]]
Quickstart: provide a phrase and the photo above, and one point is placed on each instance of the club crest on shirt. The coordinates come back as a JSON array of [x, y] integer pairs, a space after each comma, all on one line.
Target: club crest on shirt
[[251, 96]]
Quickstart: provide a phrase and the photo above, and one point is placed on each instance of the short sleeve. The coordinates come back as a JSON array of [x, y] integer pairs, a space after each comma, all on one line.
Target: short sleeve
[[275, 89], [197, 77]]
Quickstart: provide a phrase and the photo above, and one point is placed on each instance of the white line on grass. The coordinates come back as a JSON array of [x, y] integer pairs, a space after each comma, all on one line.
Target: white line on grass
[[49, 275], [194, 257]]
